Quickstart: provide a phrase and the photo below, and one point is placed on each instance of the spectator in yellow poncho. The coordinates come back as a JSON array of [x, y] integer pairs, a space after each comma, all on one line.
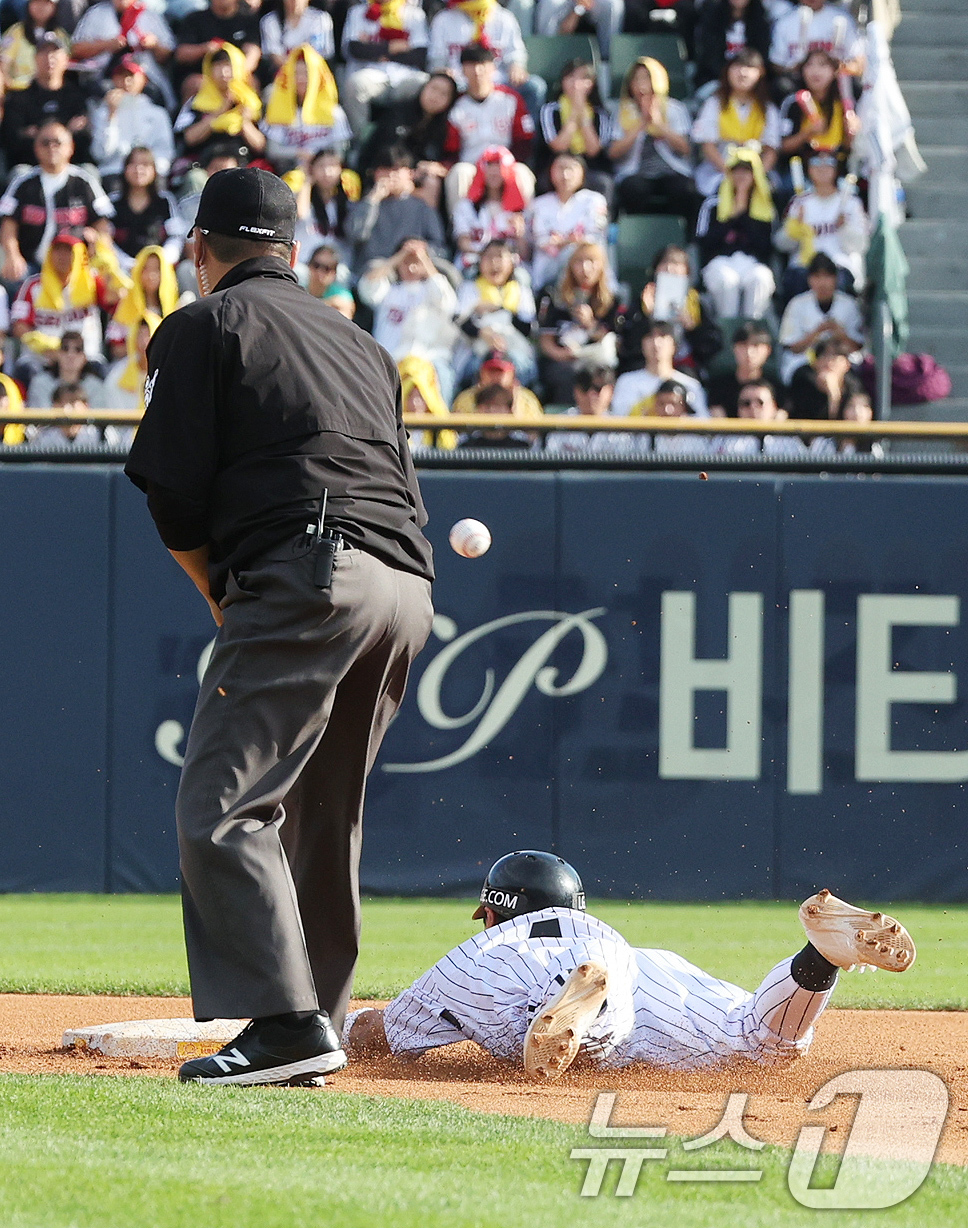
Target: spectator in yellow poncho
[[303, 115], [420, 394], [11, 402], [226, 105], [153, 294]]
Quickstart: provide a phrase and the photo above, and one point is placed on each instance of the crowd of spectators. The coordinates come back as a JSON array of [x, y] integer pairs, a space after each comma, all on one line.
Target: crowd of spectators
[[458, 205]]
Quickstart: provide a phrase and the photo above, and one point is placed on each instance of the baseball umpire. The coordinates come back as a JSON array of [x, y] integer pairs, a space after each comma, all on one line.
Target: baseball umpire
[[546, 982], [278, 474]]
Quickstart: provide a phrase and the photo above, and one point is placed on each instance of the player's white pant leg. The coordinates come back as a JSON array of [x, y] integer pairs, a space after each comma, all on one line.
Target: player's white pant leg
[[681, 1014], [780, 1019]]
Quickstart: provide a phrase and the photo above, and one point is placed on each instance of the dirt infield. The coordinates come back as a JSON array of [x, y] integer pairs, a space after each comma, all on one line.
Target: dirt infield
[[31, 1026]]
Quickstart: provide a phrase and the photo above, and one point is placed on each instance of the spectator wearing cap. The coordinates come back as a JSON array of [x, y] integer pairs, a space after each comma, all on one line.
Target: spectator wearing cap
[[828, 219], [484, 23], [18, 47], [390, 212], [303, 115], [127, 119], [226, 106], [822, 313], [414, 307], [499, 370], [288, 24], [224, 21], [66, 295], [635, 390], [48, 199], [488, 115], [671, 400], [113, 26], [48, 96], [384, 46]]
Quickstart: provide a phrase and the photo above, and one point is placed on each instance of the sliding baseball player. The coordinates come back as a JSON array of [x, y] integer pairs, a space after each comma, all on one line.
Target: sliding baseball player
[[545, 982]]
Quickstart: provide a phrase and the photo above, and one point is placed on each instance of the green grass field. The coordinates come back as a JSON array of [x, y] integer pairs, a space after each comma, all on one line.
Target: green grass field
[[133, 945], [82, 1152]]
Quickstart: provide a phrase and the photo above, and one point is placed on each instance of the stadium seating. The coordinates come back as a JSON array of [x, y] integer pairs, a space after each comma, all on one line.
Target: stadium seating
[[639, 238]]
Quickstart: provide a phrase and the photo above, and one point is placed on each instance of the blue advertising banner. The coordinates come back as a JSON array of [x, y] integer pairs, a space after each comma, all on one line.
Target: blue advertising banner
[[740, 687]]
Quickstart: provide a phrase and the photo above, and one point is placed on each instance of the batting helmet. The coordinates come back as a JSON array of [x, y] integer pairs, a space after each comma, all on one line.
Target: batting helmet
[[529, 880]]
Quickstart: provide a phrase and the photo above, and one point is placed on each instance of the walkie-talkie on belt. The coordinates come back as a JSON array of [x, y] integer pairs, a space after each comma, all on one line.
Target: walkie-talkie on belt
[[328, 541]]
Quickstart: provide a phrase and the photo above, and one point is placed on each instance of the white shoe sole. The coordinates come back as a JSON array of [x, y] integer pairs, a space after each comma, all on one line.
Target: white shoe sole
[[848, 936], [555, 1035], [326, 1064]]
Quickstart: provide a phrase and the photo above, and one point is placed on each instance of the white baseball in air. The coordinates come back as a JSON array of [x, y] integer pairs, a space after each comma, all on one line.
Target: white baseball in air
[[470, 538]]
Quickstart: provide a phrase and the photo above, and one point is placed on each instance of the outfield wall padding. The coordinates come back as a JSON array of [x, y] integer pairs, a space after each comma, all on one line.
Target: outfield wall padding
[[749, 686]]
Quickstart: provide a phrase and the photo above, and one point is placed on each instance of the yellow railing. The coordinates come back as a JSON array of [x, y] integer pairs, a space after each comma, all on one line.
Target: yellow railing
[[575, 422]]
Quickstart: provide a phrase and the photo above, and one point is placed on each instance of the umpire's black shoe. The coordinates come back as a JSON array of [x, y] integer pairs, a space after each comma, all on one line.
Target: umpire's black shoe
[[268, 1052]]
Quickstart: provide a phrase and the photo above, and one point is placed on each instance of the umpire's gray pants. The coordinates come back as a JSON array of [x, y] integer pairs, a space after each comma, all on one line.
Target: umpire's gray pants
[[301, 687]]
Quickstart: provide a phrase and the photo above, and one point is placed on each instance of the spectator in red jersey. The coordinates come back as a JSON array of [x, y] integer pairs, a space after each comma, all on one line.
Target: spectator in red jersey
[[487, 115], [67, 294]]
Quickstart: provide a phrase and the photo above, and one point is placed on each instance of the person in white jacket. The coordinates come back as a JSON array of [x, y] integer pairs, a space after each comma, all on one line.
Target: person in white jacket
[[127, 119], [414, 307]]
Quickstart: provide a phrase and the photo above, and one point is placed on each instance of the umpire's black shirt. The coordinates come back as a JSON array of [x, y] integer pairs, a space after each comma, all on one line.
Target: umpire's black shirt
[[257, 397]]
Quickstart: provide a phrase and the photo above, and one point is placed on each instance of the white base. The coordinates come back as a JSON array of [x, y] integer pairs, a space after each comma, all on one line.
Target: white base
[[183, 1039]]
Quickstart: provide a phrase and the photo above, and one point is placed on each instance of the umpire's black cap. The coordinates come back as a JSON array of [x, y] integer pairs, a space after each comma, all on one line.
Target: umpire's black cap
[[247, 203]]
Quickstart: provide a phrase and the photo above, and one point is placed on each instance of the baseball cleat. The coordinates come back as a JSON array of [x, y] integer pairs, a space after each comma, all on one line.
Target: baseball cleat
[[847, 936], [556, 1034], [266, 1052]]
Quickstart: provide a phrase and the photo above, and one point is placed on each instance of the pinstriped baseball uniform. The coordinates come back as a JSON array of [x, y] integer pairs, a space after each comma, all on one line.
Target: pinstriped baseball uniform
[[660, 1010]]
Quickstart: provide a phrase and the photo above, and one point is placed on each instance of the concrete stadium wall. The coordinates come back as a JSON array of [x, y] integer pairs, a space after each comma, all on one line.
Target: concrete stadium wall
[[745, 687]]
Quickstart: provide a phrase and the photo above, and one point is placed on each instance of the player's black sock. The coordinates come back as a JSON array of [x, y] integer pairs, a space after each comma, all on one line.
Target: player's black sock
[[811, 971], [291, 1019]]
